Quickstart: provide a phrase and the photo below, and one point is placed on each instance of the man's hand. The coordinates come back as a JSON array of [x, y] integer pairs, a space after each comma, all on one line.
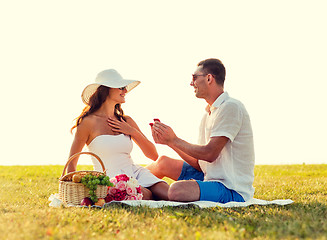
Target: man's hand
[[162, 133]]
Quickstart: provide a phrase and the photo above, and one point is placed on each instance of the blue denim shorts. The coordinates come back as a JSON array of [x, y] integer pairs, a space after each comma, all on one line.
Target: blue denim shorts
[[189, 172], [217, 192], [209, 190]]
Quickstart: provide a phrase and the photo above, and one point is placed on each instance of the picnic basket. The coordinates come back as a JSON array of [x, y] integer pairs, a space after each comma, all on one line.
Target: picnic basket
[[73, 193]]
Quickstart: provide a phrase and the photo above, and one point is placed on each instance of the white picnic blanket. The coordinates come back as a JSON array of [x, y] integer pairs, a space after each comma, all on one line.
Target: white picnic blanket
[[56, 202]]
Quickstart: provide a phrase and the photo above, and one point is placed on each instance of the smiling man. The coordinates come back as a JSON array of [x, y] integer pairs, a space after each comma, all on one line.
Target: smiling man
[[220, 168]]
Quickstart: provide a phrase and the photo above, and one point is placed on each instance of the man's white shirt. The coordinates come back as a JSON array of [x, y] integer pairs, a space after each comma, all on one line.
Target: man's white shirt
[[234, 167]]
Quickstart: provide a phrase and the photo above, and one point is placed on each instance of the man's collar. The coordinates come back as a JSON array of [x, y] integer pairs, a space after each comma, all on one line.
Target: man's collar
[[222, 98]]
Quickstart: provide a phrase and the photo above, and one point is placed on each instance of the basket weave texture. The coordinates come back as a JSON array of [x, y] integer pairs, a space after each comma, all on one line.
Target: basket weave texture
[[74, 193]]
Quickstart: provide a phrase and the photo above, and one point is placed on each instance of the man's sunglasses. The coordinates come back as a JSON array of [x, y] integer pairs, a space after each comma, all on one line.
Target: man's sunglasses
[[195, 76]]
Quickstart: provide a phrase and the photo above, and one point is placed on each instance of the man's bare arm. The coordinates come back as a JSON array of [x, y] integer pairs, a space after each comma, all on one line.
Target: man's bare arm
[[208, 152], [163, 134], [194, 162]]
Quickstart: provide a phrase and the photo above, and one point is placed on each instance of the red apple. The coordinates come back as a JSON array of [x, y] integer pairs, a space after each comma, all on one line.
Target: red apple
[[86, 202]]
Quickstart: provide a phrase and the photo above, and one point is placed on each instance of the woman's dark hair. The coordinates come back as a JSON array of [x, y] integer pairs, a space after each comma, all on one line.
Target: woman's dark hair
[[95, 102], [214, 67]]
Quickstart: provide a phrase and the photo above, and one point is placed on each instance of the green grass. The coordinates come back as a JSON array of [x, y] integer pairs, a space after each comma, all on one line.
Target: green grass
[[25, 214]]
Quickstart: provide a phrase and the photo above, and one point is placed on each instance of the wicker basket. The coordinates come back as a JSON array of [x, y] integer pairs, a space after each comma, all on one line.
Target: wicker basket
[[73, 193]]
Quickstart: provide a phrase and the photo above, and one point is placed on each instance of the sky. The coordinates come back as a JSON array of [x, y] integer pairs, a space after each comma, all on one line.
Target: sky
[[274, 53]]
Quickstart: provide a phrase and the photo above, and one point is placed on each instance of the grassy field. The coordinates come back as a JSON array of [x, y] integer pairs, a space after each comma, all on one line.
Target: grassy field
[[25, 214]]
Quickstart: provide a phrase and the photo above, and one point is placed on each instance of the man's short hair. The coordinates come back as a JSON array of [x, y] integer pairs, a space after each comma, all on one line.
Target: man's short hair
[[214, 67]]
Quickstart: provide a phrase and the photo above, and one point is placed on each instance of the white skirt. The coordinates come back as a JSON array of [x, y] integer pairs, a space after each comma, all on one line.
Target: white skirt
[[144, 176]]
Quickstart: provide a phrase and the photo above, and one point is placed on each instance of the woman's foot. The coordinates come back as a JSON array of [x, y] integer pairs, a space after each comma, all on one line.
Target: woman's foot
[[147, 194]]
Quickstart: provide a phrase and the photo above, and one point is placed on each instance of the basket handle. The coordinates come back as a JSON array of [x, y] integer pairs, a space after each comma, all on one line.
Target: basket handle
[[79, 153]]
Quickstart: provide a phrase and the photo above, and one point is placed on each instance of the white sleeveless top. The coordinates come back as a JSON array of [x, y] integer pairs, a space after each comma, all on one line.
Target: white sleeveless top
[[114, 151]]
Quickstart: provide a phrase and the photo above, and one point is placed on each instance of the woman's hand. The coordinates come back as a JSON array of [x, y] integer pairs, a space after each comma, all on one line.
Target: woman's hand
[[129, 127], [121, 126]]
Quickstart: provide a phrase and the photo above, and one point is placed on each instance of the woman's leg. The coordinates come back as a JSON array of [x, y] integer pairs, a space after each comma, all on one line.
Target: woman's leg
[[160, 191], [147, 194]]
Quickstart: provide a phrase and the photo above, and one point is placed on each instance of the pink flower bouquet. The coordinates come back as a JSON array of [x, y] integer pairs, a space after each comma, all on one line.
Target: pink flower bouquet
[[125, 188]]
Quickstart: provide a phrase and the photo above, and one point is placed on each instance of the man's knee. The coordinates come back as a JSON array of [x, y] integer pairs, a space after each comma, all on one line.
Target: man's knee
[[159, 167], [175, 191], [166, 167], [162, 163], [185, 190], [178, 191]]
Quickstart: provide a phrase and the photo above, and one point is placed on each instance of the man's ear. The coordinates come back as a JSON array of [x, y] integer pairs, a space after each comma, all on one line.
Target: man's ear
[[210, 78]]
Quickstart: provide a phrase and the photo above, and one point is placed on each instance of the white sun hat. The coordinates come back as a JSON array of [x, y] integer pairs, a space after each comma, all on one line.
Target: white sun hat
[[109, 78]]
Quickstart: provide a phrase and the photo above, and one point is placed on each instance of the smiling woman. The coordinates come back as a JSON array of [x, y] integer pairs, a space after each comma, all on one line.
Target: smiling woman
[[108, 133]]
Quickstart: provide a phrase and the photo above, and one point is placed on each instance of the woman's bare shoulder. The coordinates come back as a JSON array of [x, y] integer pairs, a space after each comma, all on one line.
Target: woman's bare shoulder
[[128, 119], [87, 122]]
